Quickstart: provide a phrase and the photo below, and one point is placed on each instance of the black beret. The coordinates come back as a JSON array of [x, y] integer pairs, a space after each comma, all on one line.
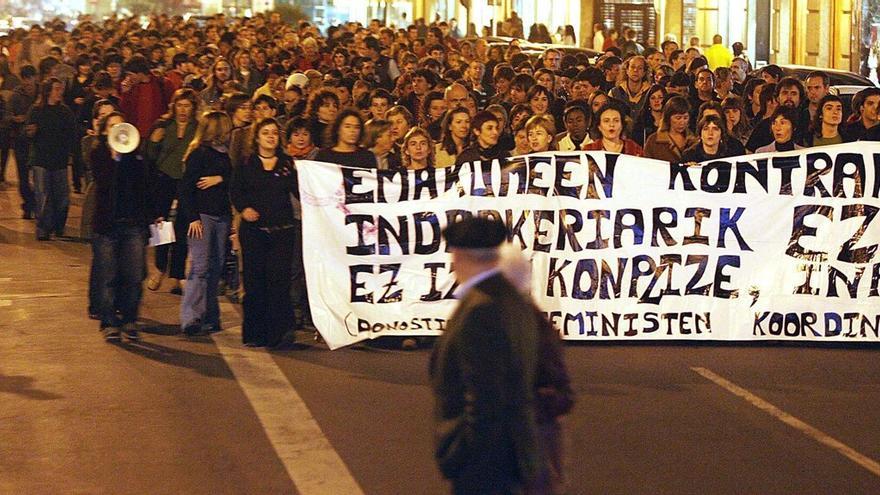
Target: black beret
[[475, 233]]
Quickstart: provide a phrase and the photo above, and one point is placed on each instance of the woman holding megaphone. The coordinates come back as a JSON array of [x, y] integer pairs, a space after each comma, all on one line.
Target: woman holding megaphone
[[120, 225]]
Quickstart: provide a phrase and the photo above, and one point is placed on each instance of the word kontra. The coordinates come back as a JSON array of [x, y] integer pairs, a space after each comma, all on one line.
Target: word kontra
[[846, 175]]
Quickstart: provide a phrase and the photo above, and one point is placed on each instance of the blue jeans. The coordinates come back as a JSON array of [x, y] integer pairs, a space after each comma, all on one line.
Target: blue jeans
[[120, 267], [52, 194], [207, 256]]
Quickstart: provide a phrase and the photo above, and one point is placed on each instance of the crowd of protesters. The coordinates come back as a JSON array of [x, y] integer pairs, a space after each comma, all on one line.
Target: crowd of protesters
[[226, 108]]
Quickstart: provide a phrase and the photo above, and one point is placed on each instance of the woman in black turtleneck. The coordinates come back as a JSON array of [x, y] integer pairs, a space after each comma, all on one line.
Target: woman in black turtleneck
[[782, 124]]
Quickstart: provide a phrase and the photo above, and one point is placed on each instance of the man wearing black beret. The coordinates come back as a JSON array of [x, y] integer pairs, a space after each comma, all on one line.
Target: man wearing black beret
[[483, 371]]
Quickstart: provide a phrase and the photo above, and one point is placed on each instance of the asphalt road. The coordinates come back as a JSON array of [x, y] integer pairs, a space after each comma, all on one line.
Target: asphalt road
[[172, 415]]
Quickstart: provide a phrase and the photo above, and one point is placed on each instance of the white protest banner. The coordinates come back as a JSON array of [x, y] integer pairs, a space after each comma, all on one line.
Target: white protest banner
[[764, 247]]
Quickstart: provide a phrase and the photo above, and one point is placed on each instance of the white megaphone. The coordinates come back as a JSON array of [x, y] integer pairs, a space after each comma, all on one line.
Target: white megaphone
[[123, 138]]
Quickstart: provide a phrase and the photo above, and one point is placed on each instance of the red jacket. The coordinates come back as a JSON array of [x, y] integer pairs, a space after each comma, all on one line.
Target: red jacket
[[144, 103]]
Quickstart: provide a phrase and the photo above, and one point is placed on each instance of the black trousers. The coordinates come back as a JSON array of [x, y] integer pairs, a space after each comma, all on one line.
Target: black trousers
[[298, 291], [170, 257], [267, 258]]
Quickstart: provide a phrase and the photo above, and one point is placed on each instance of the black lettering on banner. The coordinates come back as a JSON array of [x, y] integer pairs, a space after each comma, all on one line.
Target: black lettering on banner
[[665, 266], [425, 179], [585, 267], [361, 221], [730, 223], [539, 167], [697, 214], [606, 178], [758, 172], [658, 226], [592, 332], [599, 242], [799, 230], [722, 177], [515, 228], [356, 296], [392, 178], [863, 254], [638, 272], [785, 165], [609, 325], [350, 181], [669, 317], [637, 227], [654, 322], [857, 175], [680, 170], [452, 178], [430, 218], [852, 286], [480, 175], [570, 318], [434, 293], [563, 173], [555, 274], [667, 261], [807, 287], [513, 167], [568, 230], [540, 217], [691, 289], [876, 192], [606, 279], [814, 174], [758, 322], [875, 281], [388, 296], [401, 235], [721, 278], [631, 331]]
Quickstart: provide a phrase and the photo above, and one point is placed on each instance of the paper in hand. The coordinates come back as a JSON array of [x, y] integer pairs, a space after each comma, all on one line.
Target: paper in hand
[[161, 233]]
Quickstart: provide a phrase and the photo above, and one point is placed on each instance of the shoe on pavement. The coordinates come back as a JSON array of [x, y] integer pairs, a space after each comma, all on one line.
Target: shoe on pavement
[[111, 334], [193, 329], [155, 281], [177, 290], [131, 332]]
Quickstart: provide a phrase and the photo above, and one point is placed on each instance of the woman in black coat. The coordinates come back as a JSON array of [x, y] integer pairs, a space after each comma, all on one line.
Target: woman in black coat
[[261, 189]]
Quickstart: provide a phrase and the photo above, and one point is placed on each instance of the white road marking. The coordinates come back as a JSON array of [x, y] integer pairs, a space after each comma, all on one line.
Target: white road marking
[[311, 462], [808, 430]]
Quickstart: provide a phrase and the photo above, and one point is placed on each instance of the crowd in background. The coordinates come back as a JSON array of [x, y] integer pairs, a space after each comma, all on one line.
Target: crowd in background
[[226, 108]]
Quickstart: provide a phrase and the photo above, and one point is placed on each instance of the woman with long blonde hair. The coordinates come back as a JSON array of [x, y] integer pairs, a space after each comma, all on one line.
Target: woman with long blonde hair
[[204, 208]]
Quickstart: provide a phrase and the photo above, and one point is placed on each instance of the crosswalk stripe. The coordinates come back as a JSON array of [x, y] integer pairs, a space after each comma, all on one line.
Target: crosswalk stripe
[[309, 458], [818, 435]]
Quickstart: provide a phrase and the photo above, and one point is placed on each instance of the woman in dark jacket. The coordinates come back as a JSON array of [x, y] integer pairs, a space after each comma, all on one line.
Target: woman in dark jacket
[[204, 209], [120, 226], [261, 190], [714, 142]]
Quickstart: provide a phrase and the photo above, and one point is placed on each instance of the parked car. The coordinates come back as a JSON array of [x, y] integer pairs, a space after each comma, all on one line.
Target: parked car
[[838, 77]]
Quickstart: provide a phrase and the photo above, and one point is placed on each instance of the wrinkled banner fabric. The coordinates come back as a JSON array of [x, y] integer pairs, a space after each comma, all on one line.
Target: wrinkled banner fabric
[[776, 246]]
